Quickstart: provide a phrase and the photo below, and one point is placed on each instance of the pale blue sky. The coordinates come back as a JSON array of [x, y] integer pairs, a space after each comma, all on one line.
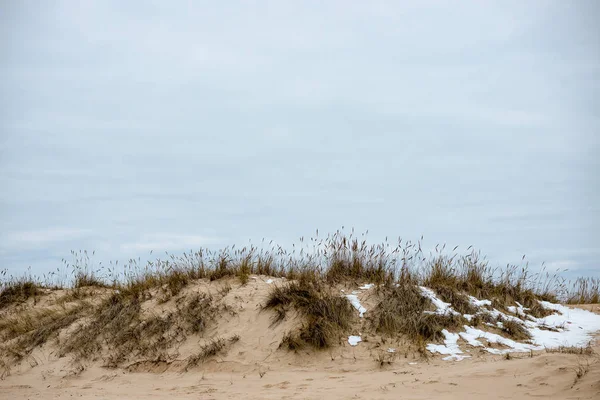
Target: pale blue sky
[[130, 126]]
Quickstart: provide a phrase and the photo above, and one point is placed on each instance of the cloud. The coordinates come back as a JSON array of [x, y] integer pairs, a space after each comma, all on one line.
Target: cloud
[[36, 239], [563, 265], [471, 124], [168, 242]]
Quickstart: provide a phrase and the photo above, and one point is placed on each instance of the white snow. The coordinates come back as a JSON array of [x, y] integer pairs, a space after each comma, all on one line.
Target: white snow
[[439, 304], [443, 308], [390, 350], [353, 298], [353, 340], [269, 280], [472, 334], [519, 309], [574, 325], [479, 303], [449, 348], [567, 327]]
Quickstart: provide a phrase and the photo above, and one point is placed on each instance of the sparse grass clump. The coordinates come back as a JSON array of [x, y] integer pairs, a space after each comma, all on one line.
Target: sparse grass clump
[[404, 310], [471, 275], [18, 291], [32, 329], [536, 310], [112, 323], [327, 315], [196, 312], [578, 350], [291, 341], [585, 291], [211, 349], [580, 371], [85, 279], [350, 258], [515, 330], [118, 328]]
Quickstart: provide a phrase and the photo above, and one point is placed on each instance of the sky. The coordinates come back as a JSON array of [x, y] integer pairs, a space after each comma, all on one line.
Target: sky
[[134, 126]]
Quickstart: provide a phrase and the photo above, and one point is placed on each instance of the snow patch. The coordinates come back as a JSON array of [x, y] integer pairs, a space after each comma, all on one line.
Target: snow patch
[[479, 303], [353, 298], [353, 340], [449, 348], [443, 308], [567, 327]]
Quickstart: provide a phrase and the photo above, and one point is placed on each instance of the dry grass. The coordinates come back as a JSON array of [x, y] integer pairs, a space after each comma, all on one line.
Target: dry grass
[[581, 370], [24, 332], [585, 291], [327, 315], [352, 258], [117, 329], [383, 358], [84, 279], [403, 310], [470, 274], [337, 258], [209, 350], [515, 330], [536, 310], [18, 291], [196, 312], [578, 350], [111, 322], [291, 341]]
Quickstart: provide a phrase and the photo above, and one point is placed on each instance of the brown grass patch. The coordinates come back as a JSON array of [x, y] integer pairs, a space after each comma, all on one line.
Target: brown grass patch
[[209, 350], [515, 330], [327, 315], [402, 310], [18, 291], [578, 350]]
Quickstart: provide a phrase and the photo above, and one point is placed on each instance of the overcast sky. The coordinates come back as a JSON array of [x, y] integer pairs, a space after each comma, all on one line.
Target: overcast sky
[[127, 126]]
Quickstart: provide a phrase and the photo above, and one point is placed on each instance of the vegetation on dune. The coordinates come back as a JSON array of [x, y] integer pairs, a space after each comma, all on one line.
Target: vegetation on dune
[[403, 310], [337, 258], [118, 326], [25, 331], [211, 349], [327, 315], [18, 290], [585, 291], [102, 307], [452, 277], [515, 330]]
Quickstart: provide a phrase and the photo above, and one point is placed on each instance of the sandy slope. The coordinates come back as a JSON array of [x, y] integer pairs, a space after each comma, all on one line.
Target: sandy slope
[[254, 368]]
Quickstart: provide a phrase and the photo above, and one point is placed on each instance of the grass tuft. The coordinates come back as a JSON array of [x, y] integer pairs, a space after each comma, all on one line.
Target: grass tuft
[[578, 350], [402, 310], [327, 315], [211, 349], [18, 291], [515, 330]]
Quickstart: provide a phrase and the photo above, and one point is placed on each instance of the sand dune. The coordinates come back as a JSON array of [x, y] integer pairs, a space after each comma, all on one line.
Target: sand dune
[[254, 367]]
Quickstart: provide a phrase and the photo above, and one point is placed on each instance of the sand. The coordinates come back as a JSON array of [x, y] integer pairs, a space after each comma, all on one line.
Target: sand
[[254, 368]]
